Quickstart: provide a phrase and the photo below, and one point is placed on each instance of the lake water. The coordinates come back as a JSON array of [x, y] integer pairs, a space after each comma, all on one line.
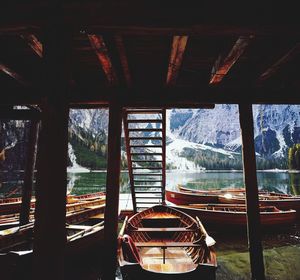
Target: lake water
[[283, 182]]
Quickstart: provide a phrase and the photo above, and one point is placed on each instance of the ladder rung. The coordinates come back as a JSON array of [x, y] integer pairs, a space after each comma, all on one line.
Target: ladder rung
[[144, 111], [145, 129], [147, 186], [145, 160], [147, 181], [145, 154], [151, 192], [147, 174], [150, 167], [146, 202], [145, 138], [145, 146], [144, 121]]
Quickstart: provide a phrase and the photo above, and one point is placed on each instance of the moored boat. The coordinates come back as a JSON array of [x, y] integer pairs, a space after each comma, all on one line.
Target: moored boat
[[179, 197], [164, 243], [79, 224], [13, 205], [282, 202], [211, 191], [219, 215]]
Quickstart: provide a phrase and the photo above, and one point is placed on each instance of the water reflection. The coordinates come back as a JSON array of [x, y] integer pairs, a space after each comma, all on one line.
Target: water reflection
[[271, 181]]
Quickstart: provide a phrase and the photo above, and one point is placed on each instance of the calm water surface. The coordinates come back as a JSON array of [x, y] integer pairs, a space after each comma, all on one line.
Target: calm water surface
[[283, 182]]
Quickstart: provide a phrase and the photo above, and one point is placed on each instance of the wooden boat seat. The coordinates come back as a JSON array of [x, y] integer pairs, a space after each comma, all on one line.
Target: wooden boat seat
[[164, 229], [165, 244]]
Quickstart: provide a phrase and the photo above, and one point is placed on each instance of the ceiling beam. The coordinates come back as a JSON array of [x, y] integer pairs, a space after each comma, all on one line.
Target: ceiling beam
[[177, 51], [101, 51], [33, 43], [123, 58], [187, 97], [13, 74], [280, 63], [222, 66]]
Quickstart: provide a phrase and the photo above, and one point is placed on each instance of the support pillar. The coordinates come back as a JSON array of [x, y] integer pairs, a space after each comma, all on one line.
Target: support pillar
[[50, 212], [112, 190], [29, 172], [252, 201]]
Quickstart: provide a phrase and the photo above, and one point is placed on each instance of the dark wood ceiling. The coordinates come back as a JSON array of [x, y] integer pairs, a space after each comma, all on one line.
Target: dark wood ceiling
[[152, 52]]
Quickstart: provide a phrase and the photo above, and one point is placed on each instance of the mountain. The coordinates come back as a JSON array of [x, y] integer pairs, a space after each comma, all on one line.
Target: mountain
[[276, 127], [197, 139]]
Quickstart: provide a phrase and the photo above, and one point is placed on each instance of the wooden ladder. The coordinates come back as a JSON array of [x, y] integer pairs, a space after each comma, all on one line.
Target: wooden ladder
[[145, 139]]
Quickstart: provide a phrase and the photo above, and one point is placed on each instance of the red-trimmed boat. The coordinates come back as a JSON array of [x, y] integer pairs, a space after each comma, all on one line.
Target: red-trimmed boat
[[220, 215], [282, 202], [164, 243], [179, 197]]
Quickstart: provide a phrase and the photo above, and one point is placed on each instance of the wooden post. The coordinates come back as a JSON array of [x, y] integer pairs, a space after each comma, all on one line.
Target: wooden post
[[164, 127], [50, 213], [112, 190], [29, 172], [253, 216]]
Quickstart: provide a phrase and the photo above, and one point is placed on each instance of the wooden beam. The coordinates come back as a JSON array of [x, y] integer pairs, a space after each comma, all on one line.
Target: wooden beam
[[50, 212], [112, 189], [123, 59], [183, 97], [33, 43], [280, 63], [13, 74], [29, 172], [101, 51], [252, 202], [222, 66], [19, 114], [177, 51]]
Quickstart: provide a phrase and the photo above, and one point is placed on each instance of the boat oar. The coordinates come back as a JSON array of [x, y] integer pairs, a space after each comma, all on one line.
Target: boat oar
[[82, 232], [208, 239]]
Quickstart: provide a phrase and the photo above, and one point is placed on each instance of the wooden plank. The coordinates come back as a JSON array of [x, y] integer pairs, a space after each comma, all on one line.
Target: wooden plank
[[177, 51], [164, 156], [222, 66], [101, 51], [112, 188], [252, 201], [29, 172], [10, 72], [19, 114], [280, 63], [164, 229], [123, 59], [33, 43], [165, 244]]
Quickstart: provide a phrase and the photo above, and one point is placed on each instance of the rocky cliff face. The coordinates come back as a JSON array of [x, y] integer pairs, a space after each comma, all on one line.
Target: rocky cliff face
[[202, 133], [276, 127]]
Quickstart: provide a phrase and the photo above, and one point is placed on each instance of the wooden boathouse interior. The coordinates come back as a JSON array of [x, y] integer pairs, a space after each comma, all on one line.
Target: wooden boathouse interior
[[136, 54]]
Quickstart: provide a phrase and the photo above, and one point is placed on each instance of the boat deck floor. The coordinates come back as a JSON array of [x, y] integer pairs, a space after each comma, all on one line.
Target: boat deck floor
[[176, 260]]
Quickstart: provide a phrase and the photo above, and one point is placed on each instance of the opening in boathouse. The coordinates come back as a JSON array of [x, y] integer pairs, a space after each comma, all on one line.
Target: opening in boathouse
[[145, 140]]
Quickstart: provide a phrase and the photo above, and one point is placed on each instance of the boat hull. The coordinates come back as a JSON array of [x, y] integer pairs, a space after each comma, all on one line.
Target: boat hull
[[220, 218], [136, 272], [186, 198]]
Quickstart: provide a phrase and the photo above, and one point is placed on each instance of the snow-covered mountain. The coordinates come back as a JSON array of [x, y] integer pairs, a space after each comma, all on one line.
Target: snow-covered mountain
[[196, 138], [276, 127]]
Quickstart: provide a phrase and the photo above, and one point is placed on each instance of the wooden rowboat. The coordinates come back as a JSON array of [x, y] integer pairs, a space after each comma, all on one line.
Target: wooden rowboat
[[282, 202], [13, 205], [179, 197], [19, 239], [12, 220], [211, 191], [164, 243], [235, 215]]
